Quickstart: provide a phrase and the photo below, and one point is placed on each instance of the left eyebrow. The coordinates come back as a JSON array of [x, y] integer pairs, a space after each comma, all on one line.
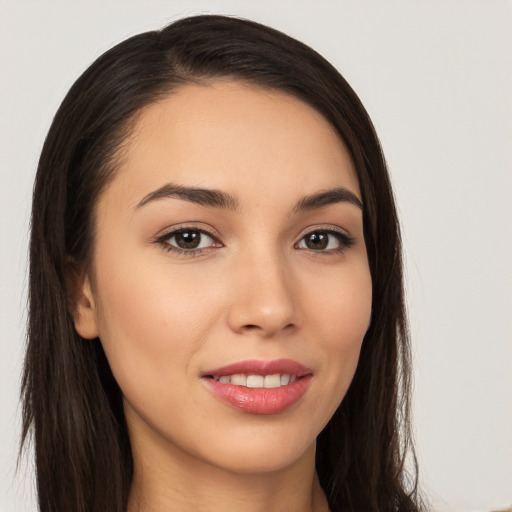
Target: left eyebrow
[[326, 198]]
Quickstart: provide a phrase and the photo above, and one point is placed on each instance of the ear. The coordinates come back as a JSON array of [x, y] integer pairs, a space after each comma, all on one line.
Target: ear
[[84, 308]]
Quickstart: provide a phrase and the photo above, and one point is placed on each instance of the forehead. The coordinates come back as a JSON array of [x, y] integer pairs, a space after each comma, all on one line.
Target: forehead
[[234, 136]]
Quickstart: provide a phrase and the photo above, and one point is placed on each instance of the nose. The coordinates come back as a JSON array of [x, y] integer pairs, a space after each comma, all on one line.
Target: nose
[[265, 299]]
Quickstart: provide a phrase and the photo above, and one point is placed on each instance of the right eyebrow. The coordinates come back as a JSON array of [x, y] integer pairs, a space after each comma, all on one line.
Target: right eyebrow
[[202, 196]]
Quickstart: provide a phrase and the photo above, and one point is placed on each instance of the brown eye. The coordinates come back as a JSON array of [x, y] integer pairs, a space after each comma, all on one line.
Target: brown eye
[[317, 241], [325, 241], [189, 239]]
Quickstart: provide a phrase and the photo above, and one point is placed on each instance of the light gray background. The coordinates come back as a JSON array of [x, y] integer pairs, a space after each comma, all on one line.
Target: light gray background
[[436, 77]]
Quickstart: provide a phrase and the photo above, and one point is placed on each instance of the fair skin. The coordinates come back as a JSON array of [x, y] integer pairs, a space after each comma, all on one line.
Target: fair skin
[[268, 280]]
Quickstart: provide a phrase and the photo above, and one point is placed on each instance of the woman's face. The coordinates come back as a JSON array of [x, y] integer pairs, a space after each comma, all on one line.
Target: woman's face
[[230, 285]]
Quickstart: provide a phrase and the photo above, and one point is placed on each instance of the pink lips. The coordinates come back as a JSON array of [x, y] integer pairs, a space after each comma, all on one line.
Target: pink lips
[[260, 400]]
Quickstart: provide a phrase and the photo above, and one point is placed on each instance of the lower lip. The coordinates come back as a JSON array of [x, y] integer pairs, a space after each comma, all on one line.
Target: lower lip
[[260, 400]]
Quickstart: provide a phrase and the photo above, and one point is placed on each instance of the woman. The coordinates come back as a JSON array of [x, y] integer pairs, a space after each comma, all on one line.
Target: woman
[[216, 301]]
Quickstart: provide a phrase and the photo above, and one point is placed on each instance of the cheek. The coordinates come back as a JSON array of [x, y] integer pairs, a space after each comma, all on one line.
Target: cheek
[[343, 317], [145, 319], [342, 301]]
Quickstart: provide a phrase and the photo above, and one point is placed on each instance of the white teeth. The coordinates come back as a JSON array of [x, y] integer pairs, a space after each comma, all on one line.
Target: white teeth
[[239, 380], [272, 381], [257, 381]]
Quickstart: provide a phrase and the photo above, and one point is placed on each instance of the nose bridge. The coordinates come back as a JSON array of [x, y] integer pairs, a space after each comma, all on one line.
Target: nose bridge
[[264, 300]]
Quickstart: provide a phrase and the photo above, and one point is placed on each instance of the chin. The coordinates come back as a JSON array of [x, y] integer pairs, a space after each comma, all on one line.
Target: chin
[[262, 453]]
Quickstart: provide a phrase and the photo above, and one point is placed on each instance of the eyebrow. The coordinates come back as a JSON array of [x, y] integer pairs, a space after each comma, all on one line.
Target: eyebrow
[[202, 196], [220, 199], [326, 198]]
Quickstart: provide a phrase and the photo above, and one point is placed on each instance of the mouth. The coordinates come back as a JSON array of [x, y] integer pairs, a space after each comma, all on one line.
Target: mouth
[[260, 387]]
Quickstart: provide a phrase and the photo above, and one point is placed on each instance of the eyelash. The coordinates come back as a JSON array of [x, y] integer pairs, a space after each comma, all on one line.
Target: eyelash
[[344, 240]]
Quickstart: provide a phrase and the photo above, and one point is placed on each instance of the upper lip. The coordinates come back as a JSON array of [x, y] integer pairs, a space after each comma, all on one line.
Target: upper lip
[[257, 367]]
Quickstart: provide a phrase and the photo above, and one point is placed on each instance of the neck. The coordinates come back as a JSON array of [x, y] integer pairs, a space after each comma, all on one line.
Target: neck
[[175, 482]]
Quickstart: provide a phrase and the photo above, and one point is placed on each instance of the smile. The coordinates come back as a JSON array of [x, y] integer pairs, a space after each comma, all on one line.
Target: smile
[[260, 387]]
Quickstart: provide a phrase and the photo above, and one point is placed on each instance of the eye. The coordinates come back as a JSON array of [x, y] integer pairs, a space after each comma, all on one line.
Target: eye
[[325, 241], [187, 240]]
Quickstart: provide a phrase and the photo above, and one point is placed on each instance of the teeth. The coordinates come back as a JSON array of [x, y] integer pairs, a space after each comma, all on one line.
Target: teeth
[[239, 380], [272, 381], [257, 381]]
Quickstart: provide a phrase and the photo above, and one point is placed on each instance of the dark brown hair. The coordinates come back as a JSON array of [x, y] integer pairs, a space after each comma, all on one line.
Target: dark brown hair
[[72, 403]]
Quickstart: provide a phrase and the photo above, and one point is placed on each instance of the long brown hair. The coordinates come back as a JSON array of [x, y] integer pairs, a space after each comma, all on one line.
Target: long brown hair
[[72, 403]]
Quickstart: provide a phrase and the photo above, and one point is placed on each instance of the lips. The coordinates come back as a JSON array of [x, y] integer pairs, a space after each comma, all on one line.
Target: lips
[[259, 387]]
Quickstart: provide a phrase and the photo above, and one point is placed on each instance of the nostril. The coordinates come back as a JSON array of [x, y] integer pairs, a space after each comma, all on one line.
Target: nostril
[[267, 331]]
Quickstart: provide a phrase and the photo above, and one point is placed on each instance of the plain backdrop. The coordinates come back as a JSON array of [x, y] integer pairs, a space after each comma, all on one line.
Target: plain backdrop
[[436, 78]]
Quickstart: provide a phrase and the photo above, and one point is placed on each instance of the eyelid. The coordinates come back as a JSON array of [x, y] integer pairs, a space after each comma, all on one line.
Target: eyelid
[[186, 226], [324, 227]]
